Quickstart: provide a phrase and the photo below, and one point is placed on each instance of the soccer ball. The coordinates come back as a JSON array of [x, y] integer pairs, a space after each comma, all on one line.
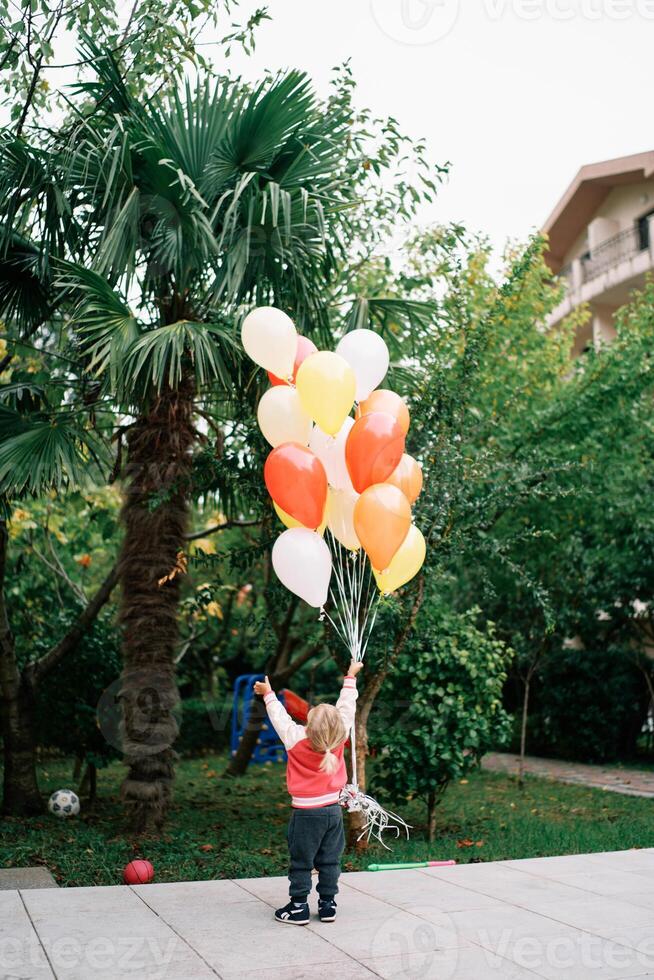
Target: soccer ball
[[64, 803]]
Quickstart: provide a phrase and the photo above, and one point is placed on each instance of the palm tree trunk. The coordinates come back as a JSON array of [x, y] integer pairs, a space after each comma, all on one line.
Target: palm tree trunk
[[21, 795], [155, 512]]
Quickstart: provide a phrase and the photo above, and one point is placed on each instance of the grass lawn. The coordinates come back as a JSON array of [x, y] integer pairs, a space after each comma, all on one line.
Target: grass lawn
[[221, 828]]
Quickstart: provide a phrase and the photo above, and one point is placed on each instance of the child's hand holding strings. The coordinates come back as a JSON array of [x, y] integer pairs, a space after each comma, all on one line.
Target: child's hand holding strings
[[262, 687], [354, 668]]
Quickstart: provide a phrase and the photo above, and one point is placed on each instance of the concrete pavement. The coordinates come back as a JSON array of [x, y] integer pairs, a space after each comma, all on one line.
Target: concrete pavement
[[561, 917]]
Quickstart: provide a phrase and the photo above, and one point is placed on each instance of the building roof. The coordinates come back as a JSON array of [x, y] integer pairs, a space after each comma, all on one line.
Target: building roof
[[585, 195]]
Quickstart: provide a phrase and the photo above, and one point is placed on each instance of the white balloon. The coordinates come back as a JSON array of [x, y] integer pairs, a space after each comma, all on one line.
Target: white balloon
[[340, 517], [303, 563], [330, 450], [281, 417], [269, 338], [367, 354]]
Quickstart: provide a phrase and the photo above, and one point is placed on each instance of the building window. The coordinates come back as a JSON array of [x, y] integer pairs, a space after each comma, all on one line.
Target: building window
[[643, 230]]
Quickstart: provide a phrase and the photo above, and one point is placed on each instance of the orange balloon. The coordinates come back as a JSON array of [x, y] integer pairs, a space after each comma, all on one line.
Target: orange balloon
[[382, 518], [297, 482], [407, 477], [373, 449], [383, 400], [304, 348]]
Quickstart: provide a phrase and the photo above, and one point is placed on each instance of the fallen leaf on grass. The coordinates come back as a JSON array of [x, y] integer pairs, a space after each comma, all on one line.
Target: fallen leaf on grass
[[206, 847], [465, 842]]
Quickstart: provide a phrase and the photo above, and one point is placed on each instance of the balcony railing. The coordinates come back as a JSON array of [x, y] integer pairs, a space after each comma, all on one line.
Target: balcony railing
[[613, 251]]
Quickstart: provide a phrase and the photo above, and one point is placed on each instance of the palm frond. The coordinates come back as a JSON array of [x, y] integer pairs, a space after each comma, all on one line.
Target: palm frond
[[162, 357], [25, 299], [394, 318], [271, 115], [104, 325], [49, 452], [108, 86]]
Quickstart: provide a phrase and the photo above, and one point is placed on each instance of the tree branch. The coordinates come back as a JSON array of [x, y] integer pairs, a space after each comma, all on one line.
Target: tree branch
[[195, 535], [300, 661], [37, 670], [374, 683]]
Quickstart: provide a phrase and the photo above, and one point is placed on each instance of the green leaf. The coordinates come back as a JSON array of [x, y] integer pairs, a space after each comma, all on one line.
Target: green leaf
[[162, 357], [104, 324], [47, 453]]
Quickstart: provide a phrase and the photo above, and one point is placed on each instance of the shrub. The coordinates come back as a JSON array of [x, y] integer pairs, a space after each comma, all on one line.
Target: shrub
[[587, 705], [204, 726], [443, 707], [67, 699]]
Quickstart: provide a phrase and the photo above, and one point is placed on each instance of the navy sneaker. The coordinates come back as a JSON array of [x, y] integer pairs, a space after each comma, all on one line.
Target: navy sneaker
[[295, 913], [326, 909]]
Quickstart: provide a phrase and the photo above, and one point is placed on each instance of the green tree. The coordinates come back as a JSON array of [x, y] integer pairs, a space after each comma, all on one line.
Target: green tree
[[153, 42], [443, 706], [50, 595], [189, 207], [474, 487]]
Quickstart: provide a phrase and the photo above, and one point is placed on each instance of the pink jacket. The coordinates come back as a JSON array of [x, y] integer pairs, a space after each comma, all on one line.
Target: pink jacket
[[307, 784]]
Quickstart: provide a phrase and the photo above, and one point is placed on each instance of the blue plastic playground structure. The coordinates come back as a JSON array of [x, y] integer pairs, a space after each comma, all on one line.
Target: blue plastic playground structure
[[268, 747]]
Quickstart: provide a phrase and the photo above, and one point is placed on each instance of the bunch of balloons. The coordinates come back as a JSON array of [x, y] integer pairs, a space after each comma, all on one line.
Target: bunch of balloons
[[337, 460]]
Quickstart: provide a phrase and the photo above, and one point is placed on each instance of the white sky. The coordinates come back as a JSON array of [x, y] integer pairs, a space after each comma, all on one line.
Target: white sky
[[517, 94]]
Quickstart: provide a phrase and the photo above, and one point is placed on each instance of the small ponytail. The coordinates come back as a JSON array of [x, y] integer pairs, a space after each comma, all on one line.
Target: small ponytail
[[329, 762]]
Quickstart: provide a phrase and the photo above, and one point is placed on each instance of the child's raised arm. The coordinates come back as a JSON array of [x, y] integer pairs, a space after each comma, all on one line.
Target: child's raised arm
[[347, 702], [289, 732]]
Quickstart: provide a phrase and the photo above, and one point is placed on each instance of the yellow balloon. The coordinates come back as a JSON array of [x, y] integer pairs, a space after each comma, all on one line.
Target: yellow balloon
[[326, 385], [341, 517], [406, 562], [289, 521]]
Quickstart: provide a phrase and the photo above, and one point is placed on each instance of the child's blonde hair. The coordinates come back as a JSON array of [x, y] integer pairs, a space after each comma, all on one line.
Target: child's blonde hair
[[326, 731]]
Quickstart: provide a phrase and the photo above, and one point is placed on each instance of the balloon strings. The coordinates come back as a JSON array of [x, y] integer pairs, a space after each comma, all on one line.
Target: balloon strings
[[353, 599], [355, 602]]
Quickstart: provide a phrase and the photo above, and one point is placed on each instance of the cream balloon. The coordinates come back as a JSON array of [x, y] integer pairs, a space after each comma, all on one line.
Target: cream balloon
[[340, 518], [269, 338], [281, 417], [326, 385], [289, 521], [303, 564], [367, 355], [405, 563], [330, 450]]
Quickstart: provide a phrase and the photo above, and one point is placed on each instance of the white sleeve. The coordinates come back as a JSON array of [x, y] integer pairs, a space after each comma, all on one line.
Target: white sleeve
[[289, 732], [347, 702]]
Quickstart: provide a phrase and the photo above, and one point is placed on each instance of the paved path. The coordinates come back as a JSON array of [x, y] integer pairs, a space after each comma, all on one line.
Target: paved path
[[566, 918], [631, 782]]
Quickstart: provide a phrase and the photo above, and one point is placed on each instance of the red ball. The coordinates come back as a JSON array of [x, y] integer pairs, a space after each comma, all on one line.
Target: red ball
[[138, 873]]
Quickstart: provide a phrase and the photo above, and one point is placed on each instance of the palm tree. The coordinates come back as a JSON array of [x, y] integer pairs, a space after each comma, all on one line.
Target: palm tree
[[149, 226]]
